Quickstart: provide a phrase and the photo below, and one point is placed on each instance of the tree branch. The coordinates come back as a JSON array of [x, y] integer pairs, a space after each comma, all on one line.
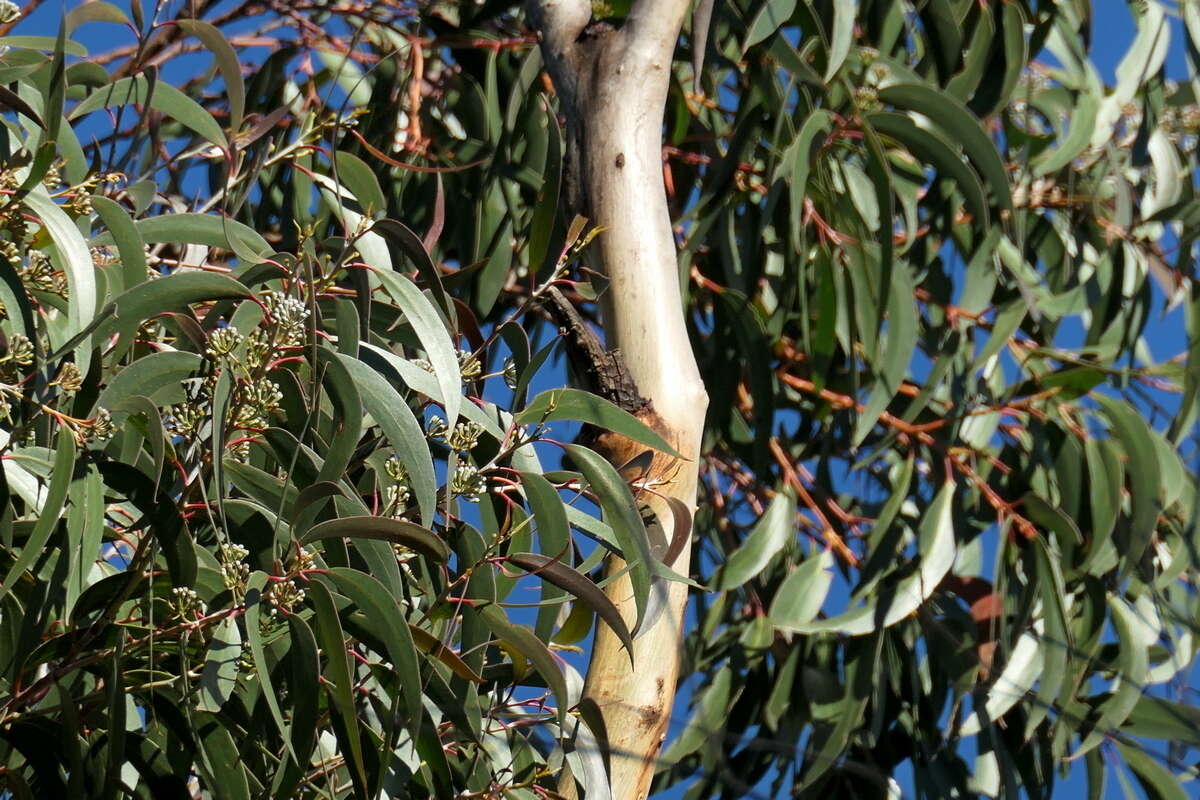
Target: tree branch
[[559, 22]]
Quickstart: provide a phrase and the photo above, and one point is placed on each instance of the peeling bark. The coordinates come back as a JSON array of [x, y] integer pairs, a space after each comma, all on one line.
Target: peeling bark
[[612, 84]]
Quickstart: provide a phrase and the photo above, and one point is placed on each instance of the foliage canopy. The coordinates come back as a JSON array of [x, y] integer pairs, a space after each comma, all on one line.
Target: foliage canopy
[[284, 514]]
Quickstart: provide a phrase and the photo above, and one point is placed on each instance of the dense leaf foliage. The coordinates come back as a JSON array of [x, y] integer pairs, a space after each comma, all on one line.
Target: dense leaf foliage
[[285, 514], [947, 244]]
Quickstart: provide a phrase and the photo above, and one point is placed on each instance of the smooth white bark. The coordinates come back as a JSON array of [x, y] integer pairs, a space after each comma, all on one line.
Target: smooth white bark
[[613, 86]]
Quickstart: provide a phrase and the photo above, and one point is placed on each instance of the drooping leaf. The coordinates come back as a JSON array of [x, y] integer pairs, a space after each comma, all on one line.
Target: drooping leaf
[[227, 62], [770, 534], [532, 648], [385, 529], [888, 605], [621, 513], [554, 571], [405, 434], [160, 96], [573, 404], [219, 674]]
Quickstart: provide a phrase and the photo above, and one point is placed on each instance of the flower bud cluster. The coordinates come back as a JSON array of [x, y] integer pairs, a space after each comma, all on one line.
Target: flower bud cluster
[[283, 595], [289, 315], [468, 483], [19, 356], [257, 401], [222, 343], [468, 365], [99, 428], [12, 221], [38, 274], [399, 494], [436, 428], [104, 257], [69, 378], [1181, 124], [185, 604], [234, 569], [396, 497], [247, 357], [53, 177], [186, 419], [465, 436], [245, 662], [305, 559]]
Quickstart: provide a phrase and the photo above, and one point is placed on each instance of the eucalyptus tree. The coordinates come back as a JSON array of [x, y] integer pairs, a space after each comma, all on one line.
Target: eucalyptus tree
[[285, 515]]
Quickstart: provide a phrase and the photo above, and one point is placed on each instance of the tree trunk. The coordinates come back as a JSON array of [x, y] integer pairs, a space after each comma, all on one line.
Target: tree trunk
[[612, 84]]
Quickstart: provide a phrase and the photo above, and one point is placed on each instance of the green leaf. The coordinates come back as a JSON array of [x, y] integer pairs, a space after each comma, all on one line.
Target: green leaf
[[258, 652], [347, 416], [340, 683], [1158, 718], [1133, 660], [937, 550], [222, 762], [161, 97], [206, 229], [960, 126], [1083, 124], [170, 293], [1137, 439], [844, 12], [1057, 642], [800, 595], [305, 681], [48, 514], [934, 148], [620, 511], [85, 529], [797, 162], [432, 334], [770, 534], [523, 640], [157, 376], [1159, 782], [1023, 668], [428, 643], [219, 675], [1174, 476], [412, 246], [48, 43], [354, 173], [554, 539], [1141, 62], [771, 16], [386, 620], [1016, 56], [709, 713], [561, 575], [11, 101], [573, 404], [228, 64], [73, 258], [95, 12], [545, 208], [400, 426], [129, 243], [154, 432], [396, 531]]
